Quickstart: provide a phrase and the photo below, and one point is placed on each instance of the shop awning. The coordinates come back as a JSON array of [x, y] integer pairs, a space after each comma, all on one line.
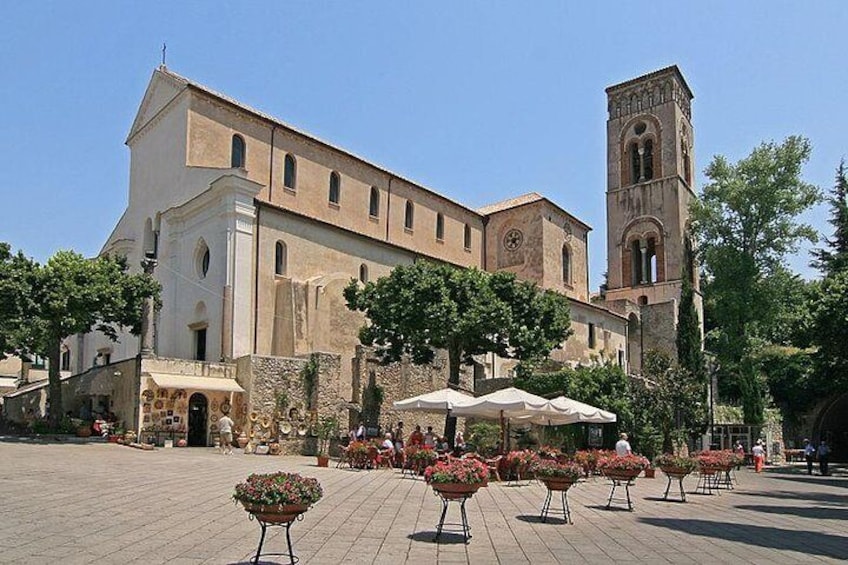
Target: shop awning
[[165, 380]]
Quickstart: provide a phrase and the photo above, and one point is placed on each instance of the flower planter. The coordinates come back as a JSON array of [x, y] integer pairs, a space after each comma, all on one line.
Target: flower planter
[[275, 513], [323, 461], [114, 438], [650, 473], [84, 431], [676, 472], [622, 475], [453, 491], [557, 483]]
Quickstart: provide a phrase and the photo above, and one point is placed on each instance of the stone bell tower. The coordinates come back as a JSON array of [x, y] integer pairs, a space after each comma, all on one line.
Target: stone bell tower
[[650, 167]]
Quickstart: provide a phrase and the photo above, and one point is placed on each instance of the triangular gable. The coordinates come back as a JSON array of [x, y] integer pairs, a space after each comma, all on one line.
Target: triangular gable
[[161, 89]]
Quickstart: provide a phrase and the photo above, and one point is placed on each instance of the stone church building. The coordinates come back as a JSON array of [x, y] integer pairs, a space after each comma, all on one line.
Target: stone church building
[[257, 226]]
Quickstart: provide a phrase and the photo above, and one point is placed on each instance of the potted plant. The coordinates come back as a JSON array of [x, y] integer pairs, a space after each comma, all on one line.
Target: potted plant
[[277, 498], [649, 445], [484, 437], [675, 466], [557, 476], [421, 457], [328, 427], [520, 462], [622, 468], [357, 452], [457, 478]]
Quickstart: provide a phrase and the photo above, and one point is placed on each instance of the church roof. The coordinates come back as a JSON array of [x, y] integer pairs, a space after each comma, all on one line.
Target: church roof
[[672, 69], [523, 200]]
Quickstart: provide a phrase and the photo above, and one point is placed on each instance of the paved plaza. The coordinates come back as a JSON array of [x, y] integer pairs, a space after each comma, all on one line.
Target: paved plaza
[[99, 503]]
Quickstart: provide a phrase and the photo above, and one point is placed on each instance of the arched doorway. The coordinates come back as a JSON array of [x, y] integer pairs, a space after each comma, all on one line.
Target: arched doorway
[[832, 426], [197, 418]]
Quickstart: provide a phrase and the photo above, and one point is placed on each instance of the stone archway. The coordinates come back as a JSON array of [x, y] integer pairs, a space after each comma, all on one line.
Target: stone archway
[[832, 425]]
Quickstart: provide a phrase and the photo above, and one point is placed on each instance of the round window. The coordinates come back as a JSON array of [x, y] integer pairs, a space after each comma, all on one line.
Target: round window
[[640, 128]]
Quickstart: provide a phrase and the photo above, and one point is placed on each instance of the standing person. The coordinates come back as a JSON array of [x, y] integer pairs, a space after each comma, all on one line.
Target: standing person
[[416, 438], [430, 438], [360, 431], [398, 437], [740, 452], [622, 446], [809, 455], [225, 433], [458, 443], [759, 456], [824, 455]]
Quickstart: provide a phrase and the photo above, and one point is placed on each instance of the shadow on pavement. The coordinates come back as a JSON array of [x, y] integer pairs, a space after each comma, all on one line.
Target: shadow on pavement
[[536, 519], [670, 498], [813, 497], [53, 439], [829, 513], [429, 537], [805, 541]]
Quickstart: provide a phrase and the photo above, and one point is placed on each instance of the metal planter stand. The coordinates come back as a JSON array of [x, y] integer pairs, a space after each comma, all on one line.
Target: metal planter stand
[[626, 482], [546, 506], [265, 525], [679, 478], [461, 499]]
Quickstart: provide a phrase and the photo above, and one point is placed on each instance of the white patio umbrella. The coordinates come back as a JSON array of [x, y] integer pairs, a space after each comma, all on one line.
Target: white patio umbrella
[[562, 411], [440, 401], [506, 404]]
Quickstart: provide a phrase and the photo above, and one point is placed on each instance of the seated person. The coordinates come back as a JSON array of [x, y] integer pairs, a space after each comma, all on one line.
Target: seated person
[[442, 444], [388, 443]]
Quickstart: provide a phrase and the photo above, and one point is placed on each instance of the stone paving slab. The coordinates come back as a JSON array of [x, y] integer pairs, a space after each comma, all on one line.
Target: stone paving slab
[[104, 503]]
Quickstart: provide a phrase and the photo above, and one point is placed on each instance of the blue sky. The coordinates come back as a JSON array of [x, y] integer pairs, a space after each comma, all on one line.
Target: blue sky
[[480, 101]]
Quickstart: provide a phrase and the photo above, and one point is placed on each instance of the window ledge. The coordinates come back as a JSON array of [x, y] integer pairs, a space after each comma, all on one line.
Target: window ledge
[[408, 230], [334, 205], [290, 190], [440, 240], [374, 219]]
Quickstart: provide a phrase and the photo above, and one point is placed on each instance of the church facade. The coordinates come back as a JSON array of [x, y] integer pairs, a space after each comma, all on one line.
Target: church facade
[[256, 227]]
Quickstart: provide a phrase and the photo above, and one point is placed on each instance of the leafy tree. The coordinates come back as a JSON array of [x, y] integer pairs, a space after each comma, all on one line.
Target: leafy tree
[[746, 223], [426, 306], [668, 400], [834, 257], [830, 323], [16, 274], [690, 354], [69, 295]]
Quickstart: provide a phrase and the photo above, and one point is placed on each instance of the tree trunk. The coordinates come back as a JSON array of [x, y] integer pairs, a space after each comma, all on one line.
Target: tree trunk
[[454, 355], [54, 394]]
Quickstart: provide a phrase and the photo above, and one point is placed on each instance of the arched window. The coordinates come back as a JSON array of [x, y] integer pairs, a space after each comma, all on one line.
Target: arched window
[[566, 266], [374, 203], [635, 163], [363, 273], [239, 152], [648, 160], [440, 227], [202, 259], [290, 173], [335, 187], [280, 259], [636, 262], [467, 237], [687, 165], [408, 217]]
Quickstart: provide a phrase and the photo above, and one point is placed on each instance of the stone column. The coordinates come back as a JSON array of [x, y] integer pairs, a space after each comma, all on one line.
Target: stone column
[[147, 341], [643, 250]]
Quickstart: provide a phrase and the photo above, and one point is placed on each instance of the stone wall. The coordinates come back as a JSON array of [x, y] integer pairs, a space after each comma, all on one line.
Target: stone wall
[[403, 380], [286, 396]]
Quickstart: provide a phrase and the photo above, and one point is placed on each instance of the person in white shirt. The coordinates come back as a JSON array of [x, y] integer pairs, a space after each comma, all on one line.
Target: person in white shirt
[[388, 443], [430, 438], [809, 455], [759, 456], [225, 434], [622, 447]]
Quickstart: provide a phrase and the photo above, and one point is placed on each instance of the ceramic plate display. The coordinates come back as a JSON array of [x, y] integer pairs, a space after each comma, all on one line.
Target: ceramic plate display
[[285, 428], [214, 417], [214, 405], [266, 421], [159, 404], [313, 430], [146, 408], [225, 407], [301, 430], [148, 395], [254, 416], [213, 428]]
